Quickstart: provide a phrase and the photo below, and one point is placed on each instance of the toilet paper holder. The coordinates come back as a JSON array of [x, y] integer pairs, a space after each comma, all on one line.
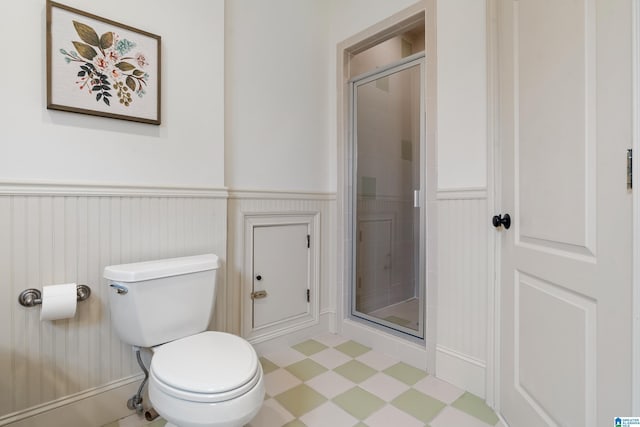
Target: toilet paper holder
[[32, 297]]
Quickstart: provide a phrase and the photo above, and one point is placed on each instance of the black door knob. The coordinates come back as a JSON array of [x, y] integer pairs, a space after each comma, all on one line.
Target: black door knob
[[258, 277], [499, 220]]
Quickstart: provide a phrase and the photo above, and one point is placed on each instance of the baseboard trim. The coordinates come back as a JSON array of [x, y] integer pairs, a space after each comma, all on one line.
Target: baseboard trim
[[461, 370], [288, 337], [90, 408], [502, 420]]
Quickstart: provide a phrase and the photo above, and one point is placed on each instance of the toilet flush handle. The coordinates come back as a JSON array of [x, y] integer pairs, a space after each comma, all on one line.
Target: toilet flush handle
[[119, 288]]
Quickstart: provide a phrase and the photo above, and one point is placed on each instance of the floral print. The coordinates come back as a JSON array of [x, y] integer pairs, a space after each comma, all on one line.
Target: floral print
[[141, 60], [106, 65]]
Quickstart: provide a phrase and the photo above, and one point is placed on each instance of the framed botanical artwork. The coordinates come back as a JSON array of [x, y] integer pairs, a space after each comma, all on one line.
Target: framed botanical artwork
[[100, 67]]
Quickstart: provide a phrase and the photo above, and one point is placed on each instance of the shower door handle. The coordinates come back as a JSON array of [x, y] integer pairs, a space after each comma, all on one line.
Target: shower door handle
[[416, 198]]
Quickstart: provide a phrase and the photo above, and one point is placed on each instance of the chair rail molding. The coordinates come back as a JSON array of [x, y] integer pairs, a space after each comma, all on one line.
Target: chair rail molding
[[42, 188]]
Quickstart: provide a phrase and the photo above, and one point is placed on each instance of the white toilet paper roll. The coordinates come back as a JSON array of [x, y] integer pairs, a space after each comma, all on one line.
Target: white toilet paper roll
[[58, 302]]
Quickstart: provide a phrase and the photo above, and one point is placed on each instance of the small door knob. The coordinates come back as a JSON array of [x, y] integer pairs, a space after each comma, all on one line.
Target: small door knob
[[258, 277], [499, 220]]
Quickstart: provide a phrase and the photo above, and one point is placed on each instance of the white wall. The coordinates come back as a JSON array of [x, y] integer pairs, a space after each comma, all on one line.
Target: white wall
[[276, 95], [463, 226], [186, 150], [349, 17], [57, 238], [462, 94]]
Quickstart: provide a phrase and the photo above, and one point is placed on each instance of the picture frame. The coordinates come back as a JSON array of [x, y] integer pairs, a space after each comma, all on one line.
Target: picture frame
[[101, 67]]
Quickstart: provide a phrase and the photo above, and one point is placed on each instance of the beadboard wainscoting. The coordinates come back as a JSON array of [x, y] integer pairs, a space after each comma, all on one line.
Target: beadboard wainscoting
[[59, 234], [461, 351], [245, 204]]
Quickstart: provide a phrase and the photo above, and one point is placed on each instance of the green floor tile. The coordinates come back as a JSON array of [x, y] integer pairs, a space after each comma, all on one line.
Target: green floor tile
[[267, 365], [300, 400], [355, 371], [358, 402], [475, 406], [352, 348], [309, 347], [405, 373], [306, 369], [419, 405]]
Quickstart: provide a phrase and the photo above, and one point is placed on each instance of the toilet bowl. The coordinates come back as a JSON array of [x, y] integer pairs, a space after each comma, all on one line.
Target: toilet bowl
[[211, 379]]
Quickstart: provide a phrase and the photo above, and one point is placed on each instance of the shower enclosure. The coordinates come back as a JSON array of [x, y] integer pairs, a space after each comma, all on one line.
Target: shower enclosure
[[386, 198]]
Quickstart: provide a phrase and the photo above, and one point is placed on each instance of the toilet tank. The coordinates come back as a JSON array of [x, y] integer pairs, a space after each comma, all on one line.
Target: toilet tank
[[155, 302]]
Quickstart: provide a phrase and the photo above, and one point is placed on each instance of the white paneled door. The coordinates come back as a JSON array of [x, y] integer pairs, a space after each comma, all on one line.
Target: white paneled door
[[564, 127]]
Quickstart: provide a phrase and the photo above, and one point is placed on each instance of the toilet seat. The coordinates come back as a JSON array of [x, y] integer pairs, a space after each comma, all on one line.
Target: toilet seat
[[207, 367]]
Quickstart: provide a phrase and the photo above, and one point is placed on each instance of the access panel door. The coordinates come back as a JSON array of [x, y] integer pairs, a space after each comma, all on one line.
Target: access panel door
[[281, 273]]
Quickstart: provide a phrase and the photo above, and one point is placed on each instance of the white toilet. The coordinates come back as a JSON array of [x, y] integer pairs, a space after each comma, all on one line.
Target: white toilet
[[198, 378]]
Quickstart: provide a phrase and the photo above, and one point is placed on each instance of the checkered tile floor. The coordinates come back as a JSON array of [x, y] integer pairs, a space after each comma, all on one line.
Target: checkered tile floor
[[331, 381]]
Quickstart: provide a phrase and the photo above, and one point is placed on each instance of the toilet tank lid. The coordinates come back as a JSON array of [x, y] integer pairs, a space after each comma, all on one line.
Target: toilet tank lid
[[156, 269]]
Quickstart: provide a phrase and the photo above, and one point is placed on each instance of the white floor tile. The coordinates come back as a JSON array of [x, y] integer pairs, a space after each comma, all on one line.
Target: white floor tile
[[331, 340], [286, 357], [272, 414], [328, 414], [391, 416], [384, 386], [450, 416], [441, 390], [330, 384], [377, 360], [280, 381], [330, 358]]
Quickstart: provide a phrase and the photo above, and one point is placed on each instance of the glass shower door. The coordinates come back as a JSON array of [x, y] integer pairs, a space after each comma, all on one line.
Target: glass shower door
[[387, 172]]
